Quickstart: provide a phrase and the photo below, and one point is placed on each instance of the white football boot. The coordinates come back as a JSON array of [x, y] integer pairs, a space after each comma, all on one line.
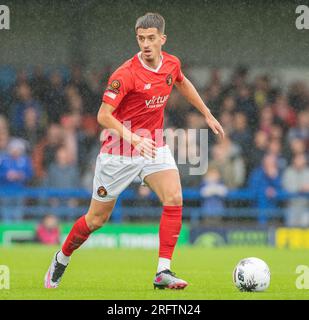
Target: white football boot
[[54, 273]]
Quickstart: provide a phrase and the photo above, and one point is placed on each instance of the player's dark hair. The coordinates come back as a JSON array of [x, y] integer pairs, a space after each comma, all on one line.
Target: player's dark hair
[[151, 20]]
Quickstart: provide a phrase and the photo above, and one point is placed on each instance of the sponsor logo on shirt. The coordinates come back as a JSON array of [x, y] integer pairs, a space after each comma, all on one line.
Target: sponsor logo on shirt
[[156, 102], [147, 86]]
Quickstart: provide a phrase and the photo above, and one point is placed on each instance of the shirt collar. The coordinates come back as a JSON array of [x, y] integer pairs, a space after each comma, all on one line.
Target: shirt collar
[[139, 55]]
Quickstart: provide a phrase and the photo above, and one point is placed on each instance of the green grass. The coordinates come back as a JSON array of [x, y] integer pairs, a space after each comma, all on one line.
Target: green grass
[[128, 273]]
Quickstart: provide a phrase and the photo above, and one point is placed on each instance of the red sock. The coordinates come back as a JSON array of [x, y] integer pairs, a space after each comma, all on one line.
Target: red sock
[[77, 236], [170, 226]]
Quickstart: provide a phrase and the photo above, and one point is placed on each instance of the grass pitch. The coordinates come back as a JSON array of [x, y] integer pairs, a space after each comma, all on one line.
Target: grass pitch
[[127, 274]]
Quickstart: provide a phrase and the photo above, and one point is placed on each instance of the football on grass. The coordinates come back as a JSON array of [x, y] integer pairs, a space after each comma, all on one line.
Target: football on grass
[[251, 274]]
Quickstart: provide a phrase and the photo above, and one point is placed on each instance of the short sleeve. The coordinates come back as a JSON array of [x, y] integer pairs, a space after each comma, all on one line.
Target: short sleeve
[[180, 76], [119, 85]]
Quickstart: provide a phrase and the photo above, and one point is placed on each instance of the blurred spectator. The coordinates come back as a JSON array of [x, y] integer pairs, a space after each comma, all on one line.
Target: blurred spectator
[[213, 192], [212, 98], [298, 95], [18, 109], [261, 91], [283, 111], [195, 120], [83, 90], [48, 231], [245, 104], [90, 129], [296, 179], [239, 78], [73, 100], [97, 82], [54, 98], [228, 104], [75, 139], [4, 135], [276, 132], [301, 130], [177, 109], [32, 130], [241, 133], [44, 152], [258, 150], [265, 181], [62, 173], [226, 119], [275, 148], [15, 166], [227, 159], [15, 173], [297, 146], [266, 120], [39, 83]]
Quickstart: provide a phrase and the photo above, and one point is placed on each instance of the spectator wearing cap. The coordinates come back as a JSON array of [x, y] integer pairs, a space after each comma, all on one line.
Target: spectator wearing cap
[[15, 165], [15, 173]]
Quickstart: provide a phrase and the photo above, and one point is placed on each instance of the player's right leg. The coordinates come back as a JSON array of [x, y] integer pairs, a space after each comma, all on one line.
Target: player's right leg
[[97, 215], [112, 175]]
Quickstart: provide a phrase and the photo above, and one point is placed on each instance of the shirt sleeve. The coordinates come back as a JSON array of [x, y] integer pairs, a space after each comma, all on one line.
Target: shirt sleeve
[[180, 76], [119, 84]]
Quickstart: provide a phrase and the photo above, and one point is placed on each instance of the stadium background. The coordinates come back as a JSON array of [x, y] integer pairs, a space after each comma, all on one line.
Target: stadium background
[[250, 65]]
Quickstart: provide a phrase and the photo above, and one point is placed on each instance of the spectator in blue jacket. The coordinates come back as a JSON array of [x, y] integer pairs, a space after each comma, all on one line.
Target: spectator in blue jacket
[[213, 192], [15, 173], [265, 182]]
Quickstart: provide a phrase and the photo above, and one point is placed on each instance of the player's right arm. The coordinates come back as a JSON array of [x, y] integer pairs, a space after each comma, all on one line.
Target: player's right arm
[[145, 146]]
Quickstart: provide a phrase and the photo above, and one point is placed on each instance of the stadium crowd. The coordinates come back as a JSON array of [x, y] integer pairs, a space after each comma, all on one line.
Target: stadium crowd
[[49, 135]]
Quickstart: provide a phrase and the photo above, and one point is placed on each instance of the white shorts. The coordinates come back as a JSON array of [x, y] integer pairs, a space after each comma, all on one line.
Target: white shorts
[[114, 173]]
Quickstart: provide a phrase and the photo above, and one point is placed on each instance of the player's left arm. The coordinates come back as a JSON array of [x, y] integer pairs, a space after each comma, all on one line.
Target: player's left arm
[[186, 89]]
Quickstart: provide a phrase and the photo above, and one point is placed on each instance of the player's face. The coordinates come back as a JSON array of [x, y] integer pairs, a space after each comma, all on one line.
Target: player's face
[[150, 42]]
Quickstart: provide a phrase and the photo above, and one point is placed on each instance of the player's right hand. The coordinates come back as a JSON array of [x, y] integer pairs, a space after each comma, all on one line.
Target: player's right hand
[[145, 146]]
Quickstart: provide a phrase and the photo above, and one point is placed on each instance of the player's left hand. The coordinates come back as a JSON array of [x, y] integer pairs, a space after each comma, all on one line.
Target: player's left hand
[[215, 126]]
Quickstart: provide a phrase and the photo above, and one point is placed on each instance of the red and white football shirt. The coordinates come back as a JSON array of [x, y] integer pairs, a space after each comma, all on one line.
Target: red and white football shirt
[[139, 95]]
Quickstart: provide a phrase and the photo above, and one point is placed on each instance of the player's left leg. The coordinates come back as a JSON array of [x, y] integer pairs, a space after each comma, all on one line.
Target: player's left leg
[[166, 184]]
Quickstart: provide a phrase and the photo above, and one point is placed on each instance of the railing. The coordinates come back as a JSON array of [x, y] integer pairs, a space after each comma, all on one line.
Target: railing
[[258, 207]]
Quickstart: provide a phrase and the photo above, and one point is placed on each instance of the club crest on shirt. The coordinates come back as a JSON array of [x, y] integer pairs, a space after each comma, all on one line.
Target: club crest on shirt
[[169, 79], [102, 192], [114, 86]]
